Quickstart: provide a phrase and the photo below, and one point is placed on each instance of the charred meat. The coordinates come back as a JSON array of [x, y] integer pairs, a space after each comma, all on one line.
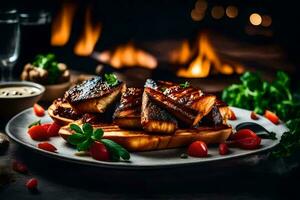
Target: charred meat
[[156, 119], [213, 118], [94, 95], [64, 109], [128, 112], [188, 104]]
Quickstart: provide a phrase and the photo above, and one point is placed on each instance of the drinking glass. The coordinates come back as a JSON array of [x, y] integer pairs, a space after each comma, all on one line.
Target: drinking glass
[[9, 42]]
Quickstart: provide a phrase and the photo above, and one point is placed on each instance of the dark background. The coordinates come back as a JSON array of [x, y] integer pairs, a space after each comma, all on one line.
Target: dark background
[[136, 20]]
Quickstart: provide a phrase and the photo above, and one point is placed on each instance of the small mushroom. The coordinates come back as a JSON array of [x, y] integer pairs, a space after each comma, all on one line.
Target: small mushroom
[[62, 67]]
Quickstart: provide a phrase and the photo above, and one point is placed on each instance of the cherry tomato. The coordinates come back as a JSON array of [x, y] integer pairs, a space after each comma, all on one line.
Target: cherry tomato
[[231, 115], [53, 129], [38, 132], [38, 110], [32, 184], [272, 117], [47, 146], [249, 143], [19, 167], [46, 126], [243, 133], [223, 149], [254, 116], [99, 152], [197, 149]]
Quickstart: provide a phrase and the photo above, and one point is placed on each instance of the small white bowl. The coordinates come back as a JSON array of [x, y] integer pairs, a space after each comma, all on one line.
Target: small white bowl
[[55, 91], [11, 105]]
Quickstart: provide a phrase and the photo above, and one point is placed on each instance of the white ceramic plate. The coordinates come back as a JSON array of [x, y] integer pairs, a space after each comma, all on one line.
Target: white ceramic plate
[[17, 130]]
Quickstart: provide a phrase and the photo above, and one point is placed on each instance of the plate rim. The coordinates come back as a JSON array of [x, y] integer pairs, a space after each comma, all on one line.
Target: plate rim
[[121, 164]]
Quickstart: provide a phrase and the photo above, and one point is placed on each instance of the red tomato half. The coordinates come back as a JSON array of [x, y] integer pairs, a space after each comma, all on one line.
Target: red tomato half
[[249, 143], [99, 152], [38, 132], [197, 149], [272, 117], [38, 110], [53, 129], [223, 149], [32, 184], [46, 126], [243, 133]]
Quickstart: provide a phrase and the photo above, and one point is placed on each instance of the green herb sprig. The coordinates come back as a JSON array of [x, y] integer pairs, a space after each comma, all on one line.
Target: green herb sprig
[[49, 63], [111, 79], [184, 85], [84, 137]]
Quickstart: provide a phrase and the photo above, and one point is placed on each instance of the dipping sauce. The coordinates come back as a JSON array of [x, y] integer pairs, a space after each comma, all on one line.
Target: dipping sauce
[[18, 91]]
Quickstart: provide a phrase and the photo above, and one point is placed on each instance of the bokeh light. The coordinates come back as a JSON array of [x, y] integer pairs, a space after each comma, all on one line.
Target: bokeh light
[[255, 19]]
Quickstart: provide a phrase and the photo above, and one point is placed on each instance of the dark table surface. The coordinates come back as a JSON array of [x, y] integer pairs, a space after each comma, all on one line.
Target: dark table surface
[[255, 177]]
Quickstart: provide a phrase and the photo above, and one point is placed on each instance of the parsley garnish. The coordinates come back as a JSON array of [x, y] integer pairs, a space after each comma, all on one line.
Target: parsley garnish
[[111, 79], [184, 85], [84, 137], [49, 63]]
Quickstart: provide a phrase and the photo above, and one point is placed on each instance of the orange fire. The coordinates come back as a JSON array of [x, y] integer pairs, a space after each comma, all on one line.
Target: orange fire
[[128, 56], [62, 23], [89, 37], [183, 55], [207, 58]]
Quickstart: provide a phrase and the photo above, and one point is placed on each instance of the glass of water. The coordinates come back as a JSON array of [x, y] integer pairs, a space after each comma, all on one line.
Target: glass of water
[[9, 42]]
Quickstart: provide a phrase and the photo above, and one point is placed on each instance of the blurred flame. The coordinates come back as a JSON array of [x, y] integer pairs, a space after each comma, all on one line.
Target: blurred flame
[[207, 58], [128, 56], [61, 26], [183, 55], [89, 37]]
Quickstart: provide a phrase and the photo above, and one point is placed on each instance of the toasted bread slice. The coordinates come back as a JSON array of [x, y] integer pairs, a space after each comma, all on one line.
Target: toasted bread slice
[[128, 113], [94, 95], [141, 141], [155, 119]]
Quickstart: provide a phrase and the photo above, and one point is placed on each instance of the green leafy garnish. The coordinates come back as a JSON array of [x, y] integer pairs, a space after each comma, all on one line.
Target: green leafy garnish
[[117, 150], [111, 79], [49, 63], [84, 137], [290, 140], [184, 85], [258, 95], [255, 94], [34, 123]]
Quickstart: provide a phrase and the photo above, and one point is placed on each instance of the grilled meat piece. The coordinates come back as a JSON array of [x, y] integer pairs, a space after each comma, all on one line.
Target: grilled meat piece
[[94, 95], [188, 104], [156, 119], [213, 118], [64, 109], [224, 110], [128, 112]]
